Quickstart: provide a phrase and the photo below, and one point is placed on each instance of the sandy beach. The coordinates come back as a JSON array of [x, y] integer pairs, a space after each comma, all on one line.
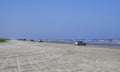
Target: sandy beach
[[26, 56]]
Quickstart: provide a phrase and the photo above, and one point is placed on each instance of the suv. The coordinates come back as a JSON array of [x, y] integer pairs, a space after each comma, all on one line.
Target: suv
[[79, 43]]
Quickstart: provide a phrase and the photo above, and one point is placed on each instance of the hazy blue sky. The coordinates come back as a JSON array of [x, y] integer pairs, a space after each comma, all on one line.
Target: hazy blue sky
[[60, 19]]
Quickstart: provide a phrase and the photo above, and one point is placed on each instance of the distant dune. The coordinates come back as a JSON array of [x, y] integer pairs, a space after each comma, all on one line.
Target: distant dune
[[26, 56]]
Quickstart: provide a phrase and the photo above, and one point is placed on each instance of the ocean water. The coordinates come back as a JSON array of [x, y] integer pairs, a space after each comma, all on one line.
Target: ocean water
[[100, 42]]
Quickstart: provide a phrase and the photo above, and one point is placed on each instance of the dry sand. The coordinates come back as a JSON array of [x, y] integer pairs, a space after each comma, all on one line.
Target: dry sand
[[24, 56]]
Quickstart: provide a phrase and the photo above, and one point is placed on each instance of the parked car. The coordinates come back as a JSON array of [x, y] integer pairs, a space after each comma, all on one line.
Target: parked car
[[80, 43], [24, 39], [40, 41], [31, 40]]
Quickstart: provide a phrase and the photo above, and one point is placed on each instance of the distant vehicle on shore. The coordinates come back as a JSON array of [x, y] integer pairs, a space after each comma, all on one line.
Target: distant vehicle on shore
[[40, 41], [80, 43], [22, 39], [31, 40]]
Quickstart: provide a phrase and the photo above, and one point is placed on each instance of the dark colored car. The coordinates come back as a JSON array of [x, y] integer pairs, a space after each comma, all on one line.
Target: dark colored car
[[24, 39], [31, 40], [80, 43], [40, 41]]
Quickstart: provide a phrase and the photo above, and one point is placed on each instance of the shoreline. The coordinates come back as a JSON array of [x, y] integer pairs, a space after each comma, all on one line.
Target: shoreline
[[88, 45]]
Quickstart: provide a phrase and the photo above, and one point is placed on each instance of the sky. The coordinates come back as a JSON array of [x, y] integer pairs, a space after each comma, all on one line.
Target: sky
[[60, 19]]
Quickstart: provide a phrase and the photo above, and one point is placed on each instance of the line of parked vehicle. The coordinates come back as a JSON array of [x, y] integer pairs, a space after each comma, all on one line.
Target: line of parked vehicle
[[77, 43], [31, 40]]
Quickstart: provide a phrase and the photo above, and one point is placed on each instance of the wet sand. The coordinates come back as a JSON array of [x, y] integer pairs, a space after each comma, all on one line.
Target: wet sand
[[25, 56]]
